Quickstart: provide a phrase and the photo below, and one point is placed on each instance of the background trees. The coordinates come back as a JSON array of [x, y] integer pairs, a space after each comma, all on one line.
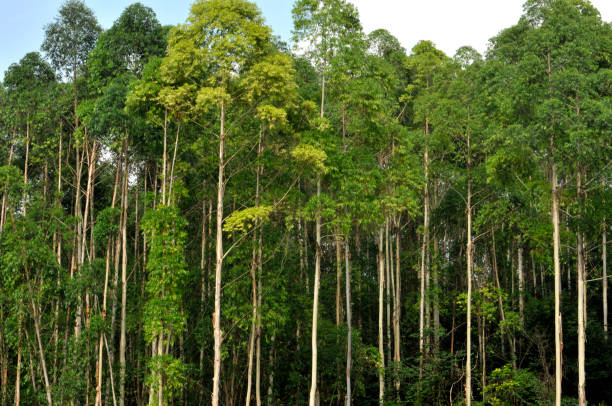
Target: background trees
[[373, 226]]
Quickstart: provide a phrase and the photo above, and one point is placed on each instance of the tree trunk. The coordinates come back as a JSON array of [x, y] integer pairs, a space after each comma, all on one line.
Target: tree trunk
[[254, 300], [556, 253], [338, 278], [219, 262], [521, 282], [36, 316], [122, 338], [557, 268], [388, 283], [397, 314], [470, 259], [604, 283], [381, 285], [5, 191], [500, 299], [18, 369], [315, 302], [581, 284], [424, 248], [349, 331]]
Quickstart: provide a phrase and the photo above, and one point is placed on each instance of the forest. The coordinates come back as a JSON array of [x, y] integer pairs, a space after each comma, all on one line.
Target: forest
[[202, 214]]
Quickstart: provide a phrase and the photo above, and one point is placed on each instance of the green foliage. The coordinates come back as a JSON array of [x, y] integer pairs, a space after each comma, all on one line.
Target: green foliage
[[513, 387], [167, 271], [241, 221], [107, 224], [311, 156], [71, 37]]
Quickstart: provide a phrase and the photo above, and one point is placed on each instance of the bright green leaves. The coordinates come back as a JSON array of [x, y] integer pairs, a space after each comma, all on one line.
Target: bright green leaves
[[210, 97], [167, 271], [241, 221], [509, 386], [311, 156], [272, 80], [220, 38], [273, 116]]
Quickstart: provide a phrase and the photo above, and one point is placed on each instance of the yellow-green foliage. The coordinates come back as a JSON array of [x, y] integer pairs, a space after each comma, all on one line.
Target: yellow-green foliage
[[307, 154], [242, 220], [274, 116], [209, 97]]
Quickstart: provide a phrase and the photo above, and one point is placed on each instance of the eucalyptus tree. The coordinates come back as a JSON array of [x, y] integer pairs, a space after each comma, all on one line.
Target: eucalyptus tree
[[69, 39], [425, 63], [28, 85], [117, 59], [219, 42], [553, 48], [326, 26], [456, 119]]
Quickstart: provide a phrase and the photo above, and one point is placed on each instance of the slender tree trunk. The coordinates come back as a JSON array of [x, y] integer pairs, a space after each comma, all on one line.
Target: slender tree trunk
[[533, 275], [436, 300], [253, 268], [381, 285], [397, 314], [338, 278], [556, 252], [521, 282], [349, 331], [219, 262], [203, 290], [470, 259], [76, 254], [5, 191], [581, 284], [388, 282], [483, 357], [500, 299], [36, 314], [424, 247], [604, 282], [315, 303], [122, 338], [18, 369], [271, 368], [557, 268]]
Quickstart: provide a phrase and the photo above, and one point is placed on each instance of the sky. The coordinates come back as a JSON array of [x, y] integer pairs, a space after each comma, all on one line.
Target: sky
[[449, 24]]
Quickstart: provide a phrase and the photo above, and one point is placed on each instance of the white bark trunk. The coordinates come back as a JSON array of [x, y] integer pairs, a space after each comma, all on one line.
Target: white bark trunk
[[219, 263], [315, 305], [381, 285]]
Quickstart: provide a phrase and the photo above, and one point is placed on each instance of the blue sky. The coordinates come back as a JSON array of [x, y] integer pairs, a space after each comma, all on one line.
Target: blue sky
[[448, 23], [22, 21]]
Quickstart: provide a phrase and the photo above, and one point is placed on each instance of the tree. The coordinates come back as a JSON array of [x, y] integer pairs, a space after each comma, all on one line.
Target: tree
[[220, 40]]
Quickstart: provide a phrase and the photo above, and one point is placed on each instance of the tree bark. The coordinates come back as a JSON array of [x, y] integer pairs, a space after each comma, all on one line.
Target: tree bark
[[388, 283], [219, 262], [348, 321], [381, 285], [557, 269], [424, 248], [604, 282], [521, 282], [397, 314], [469, 253], [254, 298], [122, 338], [315, 303], [581, 285]]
